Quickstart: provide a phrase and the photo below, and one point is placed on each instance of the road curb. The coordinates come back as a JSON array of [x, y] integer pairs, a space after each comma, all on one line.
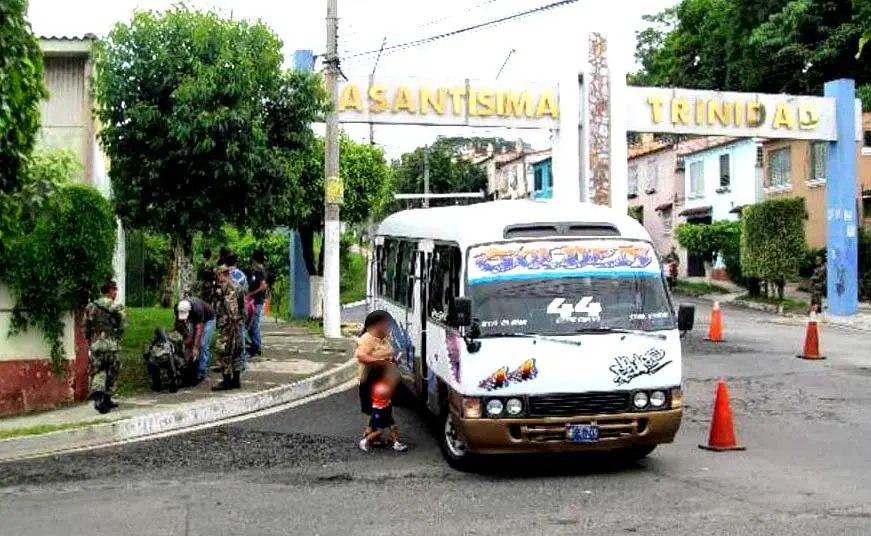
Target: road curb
[[173, 420], [357, 303]]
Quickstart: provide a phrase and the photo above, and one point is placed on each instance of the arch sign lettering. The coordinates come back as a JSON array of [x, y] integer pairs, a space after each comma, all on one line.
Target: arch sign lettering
[[463, 102], [752, 115]]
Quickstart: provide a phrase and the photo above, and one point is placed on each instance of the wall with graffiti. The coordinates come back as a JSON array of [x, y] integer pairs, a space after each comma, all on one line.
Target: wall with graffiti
[[582, 258]]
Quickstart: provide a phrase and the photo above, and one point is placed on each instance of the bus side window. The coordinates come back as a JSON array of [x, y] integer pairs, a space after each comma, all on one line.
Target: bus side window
[[381, 280], [444, 280], [391, 250], [404, 271]]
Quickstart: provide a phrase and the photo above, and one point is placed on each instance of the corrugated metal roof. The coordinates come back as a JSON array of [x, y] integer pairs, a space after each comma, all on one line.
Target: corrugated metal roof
[[85, 37]]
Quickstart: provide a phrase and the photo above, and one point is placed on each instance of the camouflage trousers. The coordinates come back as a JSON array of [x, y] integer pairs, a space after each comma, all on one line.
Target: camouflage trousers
[[230, 348], [103, 369]]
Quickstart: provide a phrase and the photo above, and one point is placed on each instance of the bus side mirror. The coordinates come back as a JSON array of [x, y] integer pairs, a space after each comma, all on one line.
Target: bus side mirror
[[686, 317], [462, 313]]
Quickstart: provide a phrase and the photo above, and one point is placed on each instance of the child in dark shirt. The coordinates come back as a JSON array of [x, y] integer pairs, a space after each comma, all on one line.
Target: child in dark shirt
[[381, 419]]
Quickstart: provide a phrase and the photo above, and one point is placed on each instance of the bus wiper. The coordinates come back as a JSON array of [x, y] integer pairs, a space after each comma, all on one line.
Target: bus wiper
[[506, 334], [532, 336], [639, 332]]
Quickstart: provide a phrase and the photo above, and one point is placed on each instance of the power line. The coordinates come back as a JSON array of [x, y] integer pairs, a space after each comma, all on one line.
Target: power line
[[467, 29], [356, 31]]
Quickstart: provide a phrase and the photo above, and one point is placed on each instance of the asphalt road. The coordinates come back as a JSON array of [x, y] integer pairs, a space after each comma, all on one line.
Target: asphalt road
[[806, 470]]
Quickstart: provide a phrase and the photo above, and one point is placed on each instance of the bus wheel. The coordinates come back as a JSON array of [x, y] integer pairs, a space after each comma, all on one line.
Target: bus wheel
[[453, 445]]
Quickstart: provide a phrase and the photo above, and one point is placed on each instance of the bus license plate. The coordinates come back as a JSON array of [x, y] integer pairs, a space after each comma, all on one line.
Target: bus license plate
[[582, 433]]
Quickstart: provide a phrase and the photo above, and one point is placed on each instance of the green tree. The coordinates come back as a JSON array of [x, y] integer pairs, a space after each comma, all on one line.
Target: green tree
[[716, 44], [59, 265], [368, 183], [21, 90], [448, 173], [200, 124], [772, 240]]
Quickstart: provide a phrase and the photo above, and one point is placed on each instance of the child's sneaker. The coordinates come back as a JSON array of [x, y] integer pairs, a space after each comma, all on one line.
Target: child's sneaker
[[399, 447], [364, 445]]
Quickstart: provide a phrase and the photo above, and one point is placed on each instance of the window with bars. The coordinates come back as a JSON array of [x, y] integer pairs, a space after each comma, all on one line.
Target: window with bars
[[697, 179], [819, 152], [667, 223], [632, 186], [779, 168], [725, 172]]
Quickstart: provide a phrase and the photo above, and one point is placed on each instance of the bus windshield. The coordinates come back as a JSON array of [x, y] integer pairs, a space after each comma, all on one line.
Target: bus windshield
[[567, 287]]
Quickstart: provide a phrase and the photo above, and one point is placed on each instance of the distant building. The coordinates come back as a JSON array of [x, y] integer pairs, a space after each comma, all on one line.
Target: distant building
[[542, 176], [797, 168]]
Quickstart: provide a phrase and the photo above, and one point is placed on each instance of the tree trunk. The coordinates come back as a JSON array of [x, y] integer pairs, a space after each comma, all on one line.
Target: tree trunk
[[307, 239], [780, 286], [183, 253], [169, 281]]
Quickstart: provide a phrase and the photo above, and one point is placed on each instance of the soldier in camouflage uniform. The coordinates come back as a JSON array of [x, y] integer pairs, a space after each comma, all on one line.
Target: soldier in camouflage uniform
[[168, 363], [104, 325], [229, 331], [818, 285]]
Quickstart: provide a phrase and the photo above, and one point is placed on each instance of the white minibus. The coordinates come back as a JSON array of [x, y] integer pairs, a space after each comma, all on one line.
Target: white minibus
[[532, 326]]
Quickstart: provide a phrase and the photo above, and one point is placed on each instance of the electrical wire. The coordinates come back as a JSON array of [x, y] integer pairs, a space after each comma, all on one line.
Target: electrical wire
[[355, 31], [480, 26]]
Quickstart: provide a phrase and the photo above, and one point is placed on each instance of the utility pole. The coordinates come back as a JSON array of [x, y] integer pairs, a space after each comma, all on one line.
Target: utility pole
[[426, 176], [333, 190], [372, 81]]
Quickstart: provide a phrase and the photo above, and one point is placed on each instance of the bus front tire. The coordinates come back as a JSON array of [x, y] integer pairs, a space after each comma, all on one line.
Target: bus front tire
[[453, 446]]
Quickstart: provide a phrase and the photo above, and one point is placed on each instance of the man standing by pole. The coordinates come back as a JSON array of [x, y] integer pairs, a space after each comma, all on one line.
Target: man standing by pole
[[333, 190]]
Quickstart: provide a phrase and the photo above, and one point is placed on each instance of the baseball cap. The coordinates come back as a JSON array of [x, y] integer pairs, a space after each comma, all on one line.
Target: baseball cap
[[184, 309]]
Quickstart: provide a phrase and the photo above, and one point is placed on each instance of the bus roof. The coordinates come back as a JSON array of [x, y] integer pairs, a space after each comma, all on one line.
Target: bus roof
[[487, 222]]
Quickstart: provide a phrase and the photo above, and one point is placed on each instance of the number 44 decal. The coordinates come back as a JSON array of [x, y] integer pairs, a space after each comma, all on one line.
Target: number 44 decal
[[559, 306]]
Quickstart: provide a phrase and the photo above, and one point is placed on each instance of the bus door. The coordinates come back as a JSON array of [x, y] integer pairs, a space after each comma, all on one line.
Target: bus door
[[418, 313]]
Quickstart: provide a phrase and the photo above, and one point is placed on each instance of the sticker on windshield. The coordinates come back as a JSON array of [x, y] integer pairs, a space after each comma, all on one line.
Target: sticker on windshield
[[585, 310], [587, 258], [503, 378], [627, 368]]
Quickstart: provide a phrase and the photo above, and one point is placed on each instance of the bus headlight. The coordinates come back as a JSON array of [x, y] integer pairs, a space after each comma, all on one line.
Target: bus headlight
[[472, 408], [494, 407], [514, 406], [657, 399], [640, 400]]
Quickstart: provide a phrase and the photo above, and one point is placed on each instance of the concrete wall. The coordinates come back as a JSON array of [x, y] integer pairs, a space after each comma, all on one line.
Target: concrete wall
[[812, 190], [26, 381], [656, 187]]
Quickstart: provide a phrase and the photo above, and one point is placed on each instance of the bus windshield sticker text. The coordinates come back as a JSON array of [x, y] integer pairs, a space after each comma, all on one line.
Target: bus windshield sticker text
[[649, 316], [504, 323], [626, 368], [586, 307], [537, 259]]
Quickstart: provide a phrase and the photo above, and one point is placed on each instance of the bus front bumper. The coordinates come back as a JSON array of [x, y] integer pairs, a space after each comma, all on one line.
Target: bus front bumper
[[548, 434]]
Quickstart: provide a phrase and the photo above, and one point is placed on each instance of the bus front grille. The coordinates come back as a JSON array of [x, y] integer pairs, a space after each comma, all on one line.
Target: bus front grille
[[565, 405]]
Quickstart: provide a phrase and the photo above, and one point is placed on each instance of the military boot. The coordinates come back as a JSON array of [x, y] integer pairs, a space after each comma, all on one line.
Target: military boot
[[237, 381], [225, 385], [101, 402]]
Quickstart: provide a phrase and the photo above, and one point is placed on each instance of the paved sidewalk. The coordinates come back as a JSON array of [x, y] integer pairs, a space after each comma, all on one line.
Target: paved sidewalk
[[296, 363]]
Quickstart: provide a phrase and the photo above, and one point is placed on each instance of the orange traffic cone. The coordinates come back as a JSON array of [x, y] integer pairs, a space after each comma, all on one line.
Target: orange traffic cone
[[812, 338], [722, 437], [715, 332]]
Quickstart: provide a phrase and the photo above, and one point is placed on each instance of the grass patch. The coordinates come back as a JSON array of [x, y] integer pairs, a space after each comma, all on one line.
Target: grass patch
[[790, 305], [315, 326], [692, 288], [353, 282], [141, 322], [45, 429]]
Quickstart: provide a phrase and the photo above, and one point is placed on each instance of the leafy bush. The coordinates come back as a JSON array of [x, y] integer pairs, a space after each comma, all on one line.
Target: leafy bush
[[708, 239], [809, 261], [772, 240], [61, 263]]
